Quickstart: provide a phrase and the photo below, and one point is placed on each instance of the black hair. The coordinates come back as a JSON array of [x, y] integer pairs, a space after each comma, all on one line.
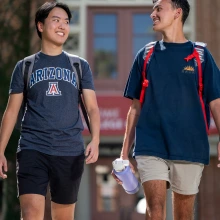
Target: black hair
[[184, 5], [44, 10]]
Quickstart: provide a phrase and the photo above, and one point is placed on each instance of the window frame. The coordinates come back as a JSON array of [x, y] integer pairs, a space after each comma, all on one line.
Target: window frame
[[124, 52]]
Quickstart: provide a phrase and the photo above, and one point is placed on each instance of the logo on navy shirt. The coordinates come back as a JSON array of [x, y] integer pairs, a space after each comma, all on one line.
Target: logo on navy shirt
[[51, 74], [53, 89], [188, 70]]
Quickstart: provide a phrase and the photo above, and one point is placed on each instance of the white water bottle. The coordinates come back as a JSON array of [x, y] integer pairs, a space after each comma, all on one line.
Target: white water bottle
[[123, 171]]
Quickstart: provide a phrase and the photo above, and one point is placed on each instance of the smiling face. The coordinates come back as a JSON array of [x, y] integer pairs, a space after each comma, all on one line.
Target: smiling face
[[164, 15], [55, 29]]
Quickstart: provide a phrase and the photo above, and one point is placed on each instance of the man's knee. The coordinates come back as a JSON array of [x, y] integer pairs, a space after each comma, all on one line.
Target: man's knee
[[62, 212], [185, 201], [32, 206], [183, 206], [156, 208], [155, 192], [156, 205], [31, 212]]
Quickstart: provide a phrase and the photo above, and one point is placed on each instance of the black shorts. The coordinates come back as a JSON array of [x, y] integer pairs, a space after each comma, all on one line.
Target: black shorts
[[63, 173]]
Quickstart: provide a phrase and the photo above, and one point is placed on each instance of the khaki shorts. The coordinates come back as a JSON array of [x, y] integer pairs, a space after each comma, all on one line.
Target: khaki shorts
[[183, 177]]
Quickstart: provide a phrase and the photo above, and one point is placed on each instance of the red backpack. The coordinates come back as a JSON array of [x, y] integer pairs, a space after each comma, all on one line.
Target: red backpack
[[197, 55]]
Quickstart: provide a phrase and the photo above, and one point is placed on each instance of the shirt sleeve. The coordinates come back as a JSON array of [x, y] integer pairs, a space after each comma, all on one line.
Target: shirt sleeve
[[17, 81], [211, 75], [87, 79], [133, 85]]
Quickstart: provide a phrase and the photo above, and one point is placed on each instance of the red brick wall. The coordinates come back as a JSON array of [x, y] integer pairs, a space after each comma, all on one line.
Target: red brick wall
[[208, 30], [208, 25], [209, 195]]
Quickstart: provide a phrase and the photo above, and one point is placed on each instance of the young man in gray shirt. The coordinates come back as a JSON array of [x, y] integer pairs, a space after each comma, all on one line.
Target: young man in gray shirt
[[50, 148]]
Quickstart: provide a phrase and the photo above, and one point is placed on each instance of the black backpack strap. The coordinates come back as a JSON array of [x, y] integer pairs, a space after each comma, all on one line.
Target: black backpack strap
[[79, 75], [75, 59], [76, 65], [28, 64], [25, 77], [27, 67]]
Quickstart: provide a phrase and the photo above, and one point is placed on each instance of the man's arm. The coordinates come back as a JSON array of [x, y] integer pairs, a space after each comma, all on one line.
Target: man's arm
[[215, 109], [8, 122], [92, 150], [131, 122], [132, 118]]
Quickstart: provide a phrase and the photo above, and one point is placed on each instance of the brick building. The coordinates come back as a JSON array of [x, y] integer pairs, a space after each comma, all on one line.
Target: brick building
[[208, 30]]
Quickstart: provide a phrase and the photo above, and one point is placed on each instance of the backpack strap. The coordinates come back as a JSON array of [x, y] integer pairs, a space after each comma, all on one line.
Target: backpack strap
[[149, 49], [198, 55], [75, 59], [85, 114], [27, 67], [28, 64], [76, 66]]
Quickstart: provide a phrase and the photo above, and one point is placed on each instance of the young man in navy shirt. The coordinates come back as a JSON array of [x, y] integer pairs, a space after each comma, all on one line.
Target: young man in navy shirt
[[169, 129], [51, 148]]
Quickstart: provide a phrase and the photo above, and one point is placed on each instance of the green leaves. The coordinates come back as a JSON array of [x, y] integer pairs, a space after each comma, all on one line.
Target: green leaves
[[14, 45]]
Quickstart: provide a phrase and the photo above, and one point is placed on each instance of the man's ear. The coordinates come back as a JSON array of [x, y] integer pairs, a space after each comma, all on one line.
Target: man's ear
[[179, 13], [40, 26]]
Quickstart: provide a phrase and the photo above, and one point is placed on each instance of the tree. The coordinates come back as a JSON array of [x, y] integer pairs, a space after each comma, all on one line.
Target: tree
[[14, 44]]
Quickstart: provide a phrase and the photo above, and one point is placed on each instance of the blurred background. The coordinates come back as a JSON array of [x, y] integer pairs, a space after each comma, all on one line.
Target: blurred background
[[108, 33]]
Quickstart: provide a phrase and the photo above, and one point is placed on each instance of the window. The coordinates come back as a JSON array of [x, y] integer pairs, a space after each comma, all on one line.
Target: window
[[142, 31], [114, 37], [105, 44], [75, 16], [72, 42]]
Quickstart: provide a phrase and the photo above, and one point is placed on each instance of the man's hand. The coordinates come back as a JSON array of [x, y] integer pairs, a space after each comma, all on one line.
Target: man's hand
[[116, 178], [218, 149], [3, 167], [92, 152]]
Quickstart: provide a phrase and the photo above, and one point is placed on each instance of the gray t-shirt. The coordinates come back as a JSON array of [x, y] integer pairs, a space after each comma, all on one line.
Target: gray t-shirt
[[52, 123]]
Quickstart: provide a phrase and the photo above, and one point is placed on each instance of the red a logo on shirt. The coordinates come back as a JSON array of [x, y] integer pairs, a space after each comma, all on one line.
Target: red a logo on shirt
[[53, 89]]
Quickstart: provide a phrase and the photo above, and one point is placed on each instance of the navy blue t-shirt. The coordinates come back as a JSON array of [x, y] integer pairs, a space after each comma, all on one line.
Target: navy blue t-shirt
[[52, 123], [171, 124]]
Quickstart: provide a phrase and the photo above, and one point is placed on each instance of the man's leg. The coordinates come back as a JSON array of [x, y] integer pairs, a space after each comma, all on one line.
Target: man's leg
[[64, 185], [155, 193], [185, 179], [32, 181], [154, 175], [32, 206], [62, 212], [183, 206]]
